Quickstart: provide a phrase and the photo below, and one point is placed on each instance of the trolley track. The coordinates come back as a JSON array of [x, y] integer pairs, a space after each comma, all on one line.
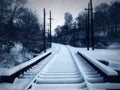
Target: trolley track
[[65, 69]]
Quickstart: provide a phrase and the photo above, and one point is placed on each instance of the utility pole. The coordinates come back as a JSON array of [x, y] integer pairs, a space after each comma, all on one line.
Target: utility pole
[[88, 26], [50, 18], [92, 31], [44, 30], [50, 30], [116, 25]]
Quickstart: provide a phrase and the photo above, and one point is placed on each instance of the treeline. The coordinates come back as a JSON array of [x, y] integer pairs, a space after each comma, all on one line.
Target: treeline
[[106, 27], [19, 24]]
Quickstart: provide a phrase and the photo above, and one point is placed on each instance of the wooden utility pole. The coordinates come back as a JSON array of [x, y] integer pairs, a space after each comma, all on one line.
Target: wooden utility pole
[[44, 29], [50, 18], [50, 31], [92, 31], [88, 26], [117, 9]]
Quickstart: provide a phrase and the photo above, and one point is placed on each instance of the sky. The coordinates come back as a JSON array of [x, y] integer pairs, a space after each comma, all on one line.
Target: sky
[[59, 7]]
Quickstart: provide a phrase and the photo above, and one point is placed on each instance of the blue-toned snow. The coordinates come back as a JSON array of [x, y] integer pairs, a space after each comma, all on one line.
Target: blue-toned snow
[[64, 71]]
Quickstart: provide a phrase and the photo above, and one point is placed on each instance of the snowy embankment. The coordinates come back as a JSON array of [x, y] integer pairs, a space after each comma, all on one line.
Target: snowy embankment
[[12, 70], [9, 71], [93, 79], [105, 69], [15, 56], [26, 79], [111, 56], [64, 70]]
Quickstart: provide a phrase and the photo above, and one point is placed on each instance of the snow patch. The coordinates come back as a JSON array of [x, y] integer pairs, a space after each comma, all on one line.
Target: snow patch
[[114, 46], [16, 51], [15, 57]]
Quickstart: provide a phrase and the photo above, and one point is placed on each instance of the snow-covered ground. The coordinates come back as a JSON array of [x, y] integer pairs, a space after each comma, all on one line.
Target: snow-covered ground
[[93, 80], [14, 57], [66, 71], [112, 56], [20, 83]]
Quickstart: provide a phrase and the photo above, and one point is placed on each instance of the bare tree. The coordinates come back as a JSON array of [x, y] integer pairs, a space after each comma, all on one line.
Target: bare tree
[[68, 19]]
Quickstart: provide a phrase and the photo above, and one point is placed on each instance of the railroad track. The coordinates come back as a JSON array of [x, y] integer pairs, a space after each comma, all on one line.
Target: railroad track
[[60, 74], [96, 75], [65, 69]]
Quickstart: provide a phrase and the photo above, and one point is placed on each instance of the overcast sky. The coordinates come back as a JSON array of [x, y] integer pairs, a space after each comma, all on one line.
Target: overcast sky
[[59, 7]]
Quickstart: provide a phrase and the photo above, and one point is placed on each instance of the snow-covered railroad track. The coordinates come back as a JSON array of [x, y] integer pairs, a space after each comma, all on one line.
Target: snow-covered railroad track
[[66, 70], [30, 71], [9, 74], [61, 73], [96, 75], [107, 72]]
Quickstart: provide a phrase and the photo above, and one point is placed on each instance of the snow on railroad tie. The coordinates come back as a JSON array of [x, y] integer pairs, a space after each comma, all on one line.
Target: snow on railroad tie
[[66, 70], [61, 73], [61, 63], [93, 79]]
